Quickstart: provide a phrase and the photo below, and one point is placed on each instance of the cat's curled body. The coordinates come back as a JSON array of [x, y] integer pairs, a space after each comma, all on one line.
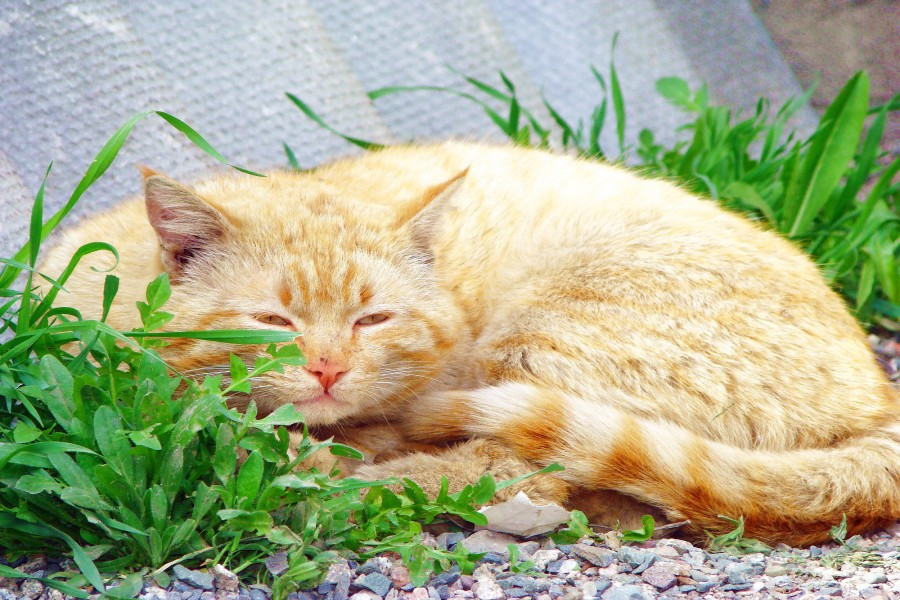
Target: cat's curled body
[[547, 309]]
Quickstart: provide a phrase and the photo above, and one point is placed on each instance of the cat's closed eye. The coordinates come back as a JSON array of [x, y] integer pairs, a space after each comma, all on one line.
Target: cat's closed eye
[[272, 320], [373, 319]]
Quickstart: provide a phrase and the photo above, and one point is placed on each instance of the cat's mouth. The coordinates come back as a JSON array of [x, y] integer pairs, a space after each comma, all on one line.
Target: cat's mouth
[[324, 408]]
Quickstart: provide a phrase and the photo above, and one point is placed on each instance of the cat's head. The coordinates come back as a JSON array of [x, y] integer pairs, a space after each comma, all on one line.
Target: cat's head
[[290, 252]]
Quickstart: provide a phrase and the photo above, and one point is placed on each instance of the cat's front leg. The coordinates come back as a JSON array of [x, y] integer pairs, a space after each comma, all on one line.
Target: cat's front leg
[[464, 464]]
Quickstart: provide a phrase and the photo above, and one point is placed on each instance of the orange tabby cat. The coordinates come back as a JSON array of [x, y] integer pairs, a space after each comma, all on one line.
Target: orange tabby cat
[[533, 309]]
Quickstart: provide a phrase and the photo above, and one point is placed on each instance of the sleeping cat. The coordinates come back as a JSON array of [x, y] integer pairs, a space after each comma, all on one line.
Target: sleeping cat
[[468, 308]]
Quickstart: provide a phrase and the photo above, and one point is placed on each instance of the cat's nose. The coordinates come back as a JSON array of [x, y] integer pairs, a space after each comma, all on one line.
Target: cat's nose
[[327, 371]]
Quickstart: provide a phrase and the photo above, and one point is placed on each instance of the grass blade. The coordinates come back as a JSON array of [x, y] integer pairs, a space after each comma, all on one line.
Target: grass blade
[[305, 109], [831, 151]]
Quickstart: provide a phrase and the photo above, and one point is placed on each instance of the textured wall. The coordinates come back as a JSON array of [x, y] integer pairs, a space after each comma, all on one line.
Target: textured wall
[[72, 72]]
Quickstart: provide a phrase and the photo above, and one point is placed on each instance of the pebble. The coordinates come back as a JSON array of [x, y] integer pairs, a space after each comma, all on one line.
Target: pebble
[[600, 557], [489, 541], [626, 592], [376, 582], [600, 568], [659, 576], [198, 579]]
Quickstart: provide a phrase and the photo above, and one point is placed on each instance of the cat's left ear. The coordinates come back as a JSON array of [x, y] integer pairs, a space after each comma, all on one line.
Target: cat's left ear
[[187, 226], [423, 217]]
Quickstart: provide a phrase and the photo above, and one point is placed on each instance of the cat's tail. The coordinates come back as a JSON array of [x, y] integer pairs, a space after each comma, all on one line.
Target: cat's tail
[[792, 496]]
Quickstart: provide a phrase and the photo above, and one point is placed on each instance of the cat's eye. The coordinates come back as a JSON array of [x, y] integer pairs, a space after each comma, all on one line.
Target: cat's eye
[[273, 320], [373, 319]]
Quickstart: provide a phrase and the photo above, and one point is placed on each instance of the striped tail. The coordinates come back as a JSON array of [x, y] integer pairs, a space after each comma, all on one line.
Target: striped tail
[[791, 496]]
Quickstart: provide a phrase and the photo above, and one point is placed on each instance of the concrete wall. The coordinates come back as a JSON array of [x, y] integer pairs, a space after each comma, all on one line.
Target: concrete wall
[[72, 72]]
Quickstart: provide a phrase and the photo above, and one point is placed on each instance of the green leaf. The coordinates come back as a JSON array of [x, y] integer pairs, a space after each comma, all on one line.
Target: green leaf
[[239, 379], [286, 414], [59, 397], [640, 535], [748, 195], [345, 451], [826, 160], [615, 90], [249, 477], [258, 520], [158, 292], [128, 588], [225, 457], [675, 90], [110, 289], [145, 438], [25, 432]]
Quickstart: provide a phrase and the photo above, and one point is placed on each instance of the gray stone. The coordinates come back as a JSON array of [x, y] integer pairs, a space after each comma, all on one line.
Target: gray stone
[[489, 541], [698, 575], [633, 556], [626, 592], [706, 586], [31, 588], [645, 565], [659, 576], [258, 595], [377, 583], [197, 579], [448, 577], [342, 588], [6, 594], [527, 549], [775, 570], [600, 557], [736, 587], [488, 590], [737, 573], [277, 563], [783, 581], [542, 558], [154, 592], [224, 579]]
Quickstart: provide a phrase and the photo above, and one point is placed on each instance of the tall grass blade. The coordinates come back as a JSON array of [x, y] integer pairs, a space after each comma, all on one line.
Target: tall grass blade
[[832, 149], [305, 109]]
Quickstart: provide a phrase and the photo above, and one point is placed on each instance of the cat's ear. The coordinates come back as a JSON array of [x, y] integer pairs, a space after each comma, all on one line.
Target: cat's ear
[[423, 218], [185, 224]]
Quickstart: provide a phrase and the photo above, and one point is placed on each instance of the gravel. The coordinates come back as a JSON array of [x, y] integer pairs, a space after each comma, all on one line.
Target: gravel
[[666, 568]]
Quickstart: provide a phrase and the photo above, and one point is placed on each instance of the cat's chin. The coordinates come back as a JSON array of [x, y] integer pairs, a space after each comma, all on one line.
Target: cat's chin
[[323, 409]]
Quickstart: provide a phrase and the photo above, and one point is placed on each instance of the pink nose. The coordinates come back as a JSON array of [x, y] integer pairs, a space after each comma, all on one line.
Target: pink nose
[[326, 371]]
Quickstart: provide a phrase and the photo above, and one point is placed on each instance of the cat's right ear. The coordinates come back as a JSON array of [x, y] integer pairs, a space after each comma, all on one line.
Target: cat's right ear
[[185, 224]]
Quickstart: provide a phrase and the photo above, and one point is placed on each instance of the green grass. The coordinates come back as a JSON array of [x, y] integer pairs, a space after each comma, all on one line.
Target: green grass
[[833, 193]]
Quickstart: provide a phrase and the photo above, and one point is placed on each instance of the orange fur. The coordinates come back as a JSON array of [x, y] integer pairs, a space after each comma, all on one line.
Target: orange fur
[[547, 308]]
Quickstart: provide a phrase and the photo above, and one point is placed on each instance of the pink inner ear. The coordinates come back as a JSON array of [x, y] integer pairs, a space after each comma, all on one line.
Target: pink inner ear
[[162, 220]]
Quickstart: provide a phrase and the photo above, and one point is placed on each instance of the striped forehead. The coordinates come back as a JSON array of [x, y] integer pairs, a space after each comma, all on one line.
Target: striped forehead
[[339, 280]]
